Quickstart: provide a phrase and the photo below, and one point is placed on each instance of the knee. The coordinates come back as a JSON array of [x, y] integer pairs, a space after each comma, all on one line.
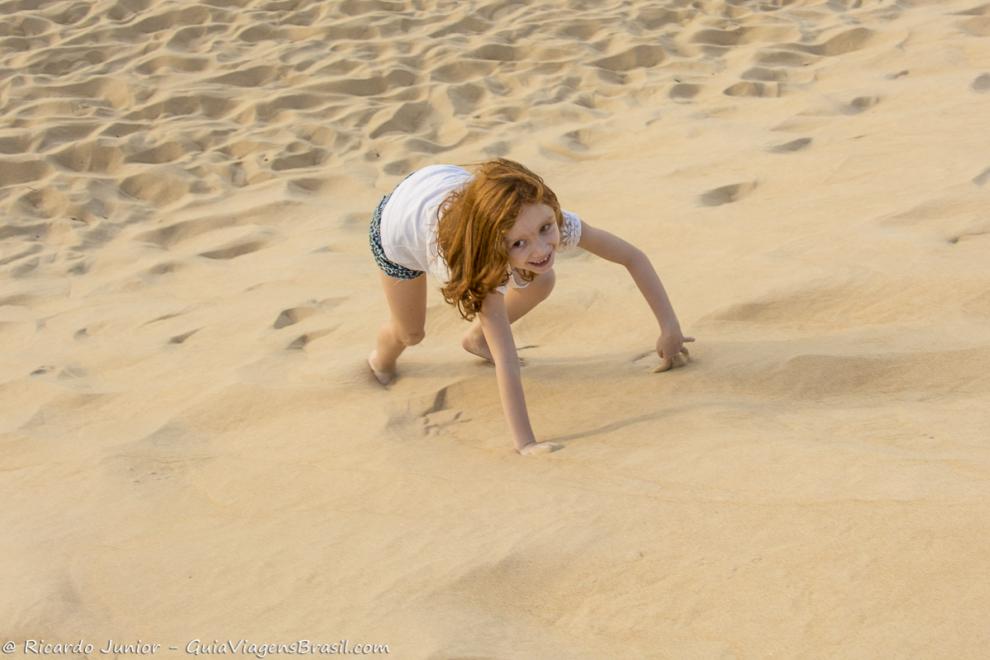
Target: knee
[[410, 338]]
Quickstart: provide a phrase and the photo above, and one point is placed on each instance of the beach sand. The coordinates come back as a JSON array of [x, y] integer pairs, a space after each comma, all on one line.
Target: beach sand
[[193, 446]]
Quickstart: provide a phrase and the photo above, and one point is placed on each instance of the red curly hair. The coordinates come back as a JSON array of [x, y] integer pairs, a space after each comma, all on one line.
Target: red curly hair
[[473, 222]]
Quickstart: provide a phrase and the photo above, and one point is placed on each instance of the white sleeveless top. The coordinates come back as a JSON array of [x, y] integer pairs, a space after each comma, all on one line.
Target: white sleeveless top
[[409, 222]]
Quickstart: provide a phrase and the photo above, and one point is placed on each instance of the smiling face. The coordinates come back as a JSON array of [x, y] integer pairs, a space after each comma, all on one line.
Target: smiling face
[[532, 241]]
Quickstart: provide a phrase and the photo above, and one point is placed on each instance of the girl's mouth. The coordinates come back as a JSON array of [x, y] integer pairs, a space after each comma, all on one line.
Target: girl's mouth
[[540, 264]]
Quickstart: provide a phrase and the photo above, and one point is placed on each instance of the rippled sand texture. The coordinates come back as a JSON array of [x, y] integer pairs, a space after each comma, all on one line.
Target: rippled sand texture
[[193, 447]]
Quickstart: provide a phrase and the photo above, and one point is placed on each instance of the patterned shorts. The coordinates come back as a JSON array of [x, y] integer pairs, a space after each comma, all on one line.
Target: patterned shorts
[[375, 239]]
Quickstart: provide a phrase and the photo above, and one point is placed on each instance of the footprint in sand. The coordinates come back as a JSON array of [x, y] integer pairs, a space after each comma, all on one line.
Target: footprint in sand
[[727, 194], [178, 339], [302, 341], [235, 249], [684, 92], [860, 104], [792, 146], [754, 89], [292, 316], [442, 420], [975, 229]]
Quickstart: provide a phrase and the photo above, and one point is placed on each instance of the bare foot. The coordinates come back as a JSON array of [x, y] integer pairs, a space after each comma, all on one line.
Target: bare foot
[[539, 448], [382, 376], [475, 344]]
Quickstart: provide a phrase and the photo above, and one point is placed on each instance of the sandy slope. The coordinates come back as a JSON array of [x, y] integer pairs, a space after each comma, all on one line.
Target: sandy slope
[[192, 446]]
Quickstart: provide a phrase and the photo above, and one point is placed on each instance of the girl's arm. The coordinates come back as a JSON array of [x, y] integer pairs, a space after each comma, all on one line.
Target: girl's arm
[[498, 334], [611, 247]]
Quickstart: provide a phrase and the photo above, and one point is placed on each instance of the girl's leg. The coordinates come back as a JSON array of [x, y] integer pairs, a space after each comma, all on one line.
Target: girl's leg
[[517, 303], [406, 326]]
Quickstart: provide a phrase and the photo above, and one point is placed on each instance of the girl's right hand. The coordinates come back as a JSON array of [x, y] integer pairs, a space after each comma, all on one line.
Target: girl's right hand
[[539, 448], [671, 349]]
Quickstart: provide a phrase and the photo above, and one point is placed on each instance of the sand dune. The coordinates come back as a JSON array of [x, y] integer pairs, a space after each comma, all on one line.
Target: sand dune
[[193, 447]]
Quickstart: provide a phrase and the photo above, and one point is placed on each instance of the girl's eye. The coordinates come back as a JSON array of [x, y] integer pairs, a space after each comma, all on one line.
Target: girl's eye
[[544, 229]]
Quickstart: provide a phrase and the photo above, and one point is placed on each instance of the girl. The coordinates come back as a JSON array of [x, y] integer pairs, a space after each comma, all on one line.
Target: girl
[[491, 239]]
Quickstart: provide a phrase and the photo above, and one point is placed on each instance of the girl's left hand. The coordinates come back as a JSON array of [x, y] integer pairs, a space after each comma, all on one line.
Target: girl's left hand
[[671, 349]]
